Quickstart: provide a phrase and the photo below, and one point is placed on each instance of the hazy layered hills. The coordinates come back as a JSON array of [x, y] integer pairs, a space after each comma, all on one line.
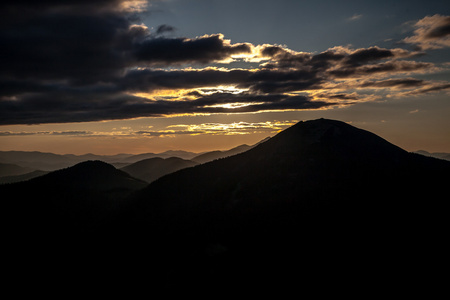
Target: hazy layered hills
[[13, 170], [35, 160], [17, 166], [153, 168], [23, 177]]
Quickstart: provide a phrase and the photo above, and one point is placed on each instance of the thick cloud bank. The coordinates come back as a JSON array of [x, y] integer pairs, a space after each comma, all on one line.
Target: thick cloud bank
[[77, 61]]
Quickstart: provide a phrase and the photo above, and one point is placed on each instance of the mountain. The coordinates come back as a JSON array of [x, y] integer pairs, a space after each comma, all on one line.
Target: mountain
[[318, 198], [13, 170], [23, 177], [37, 160], [34, 160], [71, 199], [167, 154], [213, 155], [440, 155], [153, 168]]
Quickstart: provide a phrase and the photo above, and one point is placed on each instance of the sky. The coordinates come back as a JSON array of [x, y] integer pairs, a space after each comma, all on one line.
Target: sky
[[134, 76]]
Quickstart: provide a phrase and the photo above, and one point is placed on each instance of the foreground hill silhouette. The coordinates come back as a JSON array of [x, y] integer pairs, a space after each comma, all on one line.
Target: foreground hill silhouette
[[74, 198]]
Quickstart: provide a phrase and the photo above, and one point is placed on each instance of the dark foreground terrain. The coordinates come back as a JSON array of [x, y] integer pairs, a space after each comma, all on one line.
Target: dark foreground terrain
[[321, 205]]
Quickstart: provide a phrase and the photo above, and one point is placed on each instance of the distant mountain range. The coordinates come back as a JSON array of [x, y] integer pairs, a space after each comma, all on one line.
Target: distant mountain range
[[51, 162], [322, 198], [440, 155], [16, 166], [13, 170]]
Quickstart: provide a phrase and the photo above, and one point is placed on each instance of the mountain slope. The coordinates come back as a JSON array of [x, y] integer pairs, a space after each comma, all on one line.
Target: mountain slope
[[74, 198], [213, 155], [13, 170], [153, 168], [23, 177]]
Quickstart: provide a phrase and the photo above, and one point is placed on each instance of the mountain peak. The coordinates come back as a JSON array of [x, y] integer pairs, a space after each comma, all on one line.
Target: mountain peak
[[93, 164], [330, 138], [92, 174]]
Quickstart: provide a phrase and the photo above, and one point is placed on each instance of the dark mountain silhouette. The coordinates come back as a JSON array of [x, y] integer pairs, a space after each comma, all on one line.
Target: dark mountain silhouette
[[153, 168], [23, 177], [75, 198], [13, 170], [321, 195]]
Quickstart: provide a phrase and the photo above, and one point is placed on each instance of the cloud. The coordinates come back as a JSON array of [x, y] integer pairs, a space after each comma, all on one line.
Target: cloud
[[81, 61], [355, 17], [429, 88], [69, 133], [165, 28], [204, 49], [432, 32], [235, 128], [401, 83]]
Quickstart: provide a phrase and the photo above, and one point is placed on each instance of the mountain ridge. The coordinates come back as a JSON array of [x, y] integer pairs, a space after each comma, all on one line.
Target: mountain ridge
[[151, 169]]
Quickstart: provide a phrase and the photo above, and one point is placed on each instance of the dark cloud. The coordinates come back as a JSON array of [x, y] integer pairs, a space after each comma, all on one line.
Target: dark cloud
[[203, 50], [432, 32], [64, 108], [164, 29], [395, 83], [148, 79], [390, 67], [430, 88], [78, 61], [78, 42], [362, 56]]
